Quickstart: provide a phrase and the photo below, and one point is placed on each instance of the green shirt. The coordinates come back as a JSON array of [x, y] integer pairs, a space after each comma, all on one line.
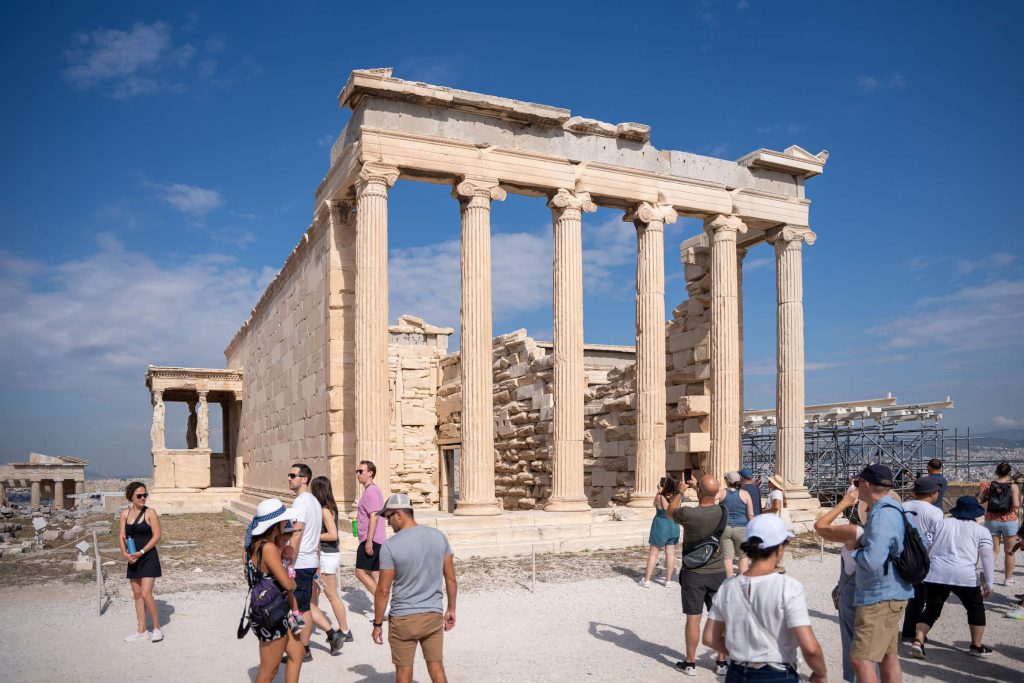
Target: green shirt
[[698, 523]]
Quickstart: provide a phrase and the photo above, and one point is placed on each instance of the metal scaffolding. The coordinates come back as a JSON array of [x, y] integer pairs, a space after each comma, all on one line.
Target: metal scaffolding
[[841, 438]]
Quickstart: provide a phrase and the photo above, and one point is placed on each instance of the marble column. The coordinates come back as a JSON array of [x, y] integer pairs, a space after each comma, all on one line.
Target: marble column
[[58, 494], [203, 422], [156, 430], [741, 253], [569, 383], [650, 220], [372, 410], [79, 490], [725, 352], [191, 427], [789, 356], [36, 495], [476, 466]]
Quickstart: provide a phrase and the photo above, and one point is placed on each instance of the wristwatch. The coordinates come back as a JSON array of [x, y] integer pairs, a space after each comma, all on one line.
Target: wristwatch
[[378, 624]]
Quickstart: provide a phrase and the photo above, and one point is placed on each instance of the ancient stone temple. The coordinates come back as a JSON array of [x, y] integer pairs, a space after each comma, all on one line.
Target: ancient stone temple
[[317, 374], [46, 476]]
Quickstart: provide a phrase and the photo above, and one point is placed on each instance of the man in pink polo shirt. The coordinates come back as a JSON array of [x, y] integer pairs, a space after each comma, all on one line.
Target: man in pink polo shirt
[[372, 533]]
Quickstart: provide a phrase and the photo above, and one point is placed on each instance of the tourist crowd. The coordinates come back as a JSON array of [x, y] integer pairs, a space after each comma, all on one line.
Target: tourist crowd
[[900, 560], [899, 563]]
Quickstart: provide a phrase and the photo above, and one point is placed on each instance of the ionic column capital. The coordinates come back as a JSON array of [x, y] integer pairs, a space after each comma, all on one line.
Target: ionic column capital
[[647, 213], [484, 188], [564, 200], [724, 223], [791, 233], [372, 176]]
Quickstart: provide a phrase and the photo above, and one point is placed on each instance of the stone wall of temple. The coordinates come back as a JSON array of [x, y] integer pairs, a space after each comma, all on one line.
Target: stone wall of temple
[[414, 375], [283, 350]]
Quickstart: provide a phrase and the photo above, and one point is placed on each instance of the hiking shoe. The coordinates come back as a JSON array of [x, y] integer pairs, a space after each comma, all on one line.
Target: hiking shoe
[[308, 656], [1016, 613], [347, 635], [917, 649], [336, 640], [721, 667], [688, 668], [980, 651], [157, 635], [144, 635]]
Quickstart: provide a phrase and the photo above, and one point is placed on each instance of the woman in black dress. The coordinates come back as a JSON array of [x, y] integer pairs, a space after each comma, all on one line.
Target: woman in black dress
[[142, 525]]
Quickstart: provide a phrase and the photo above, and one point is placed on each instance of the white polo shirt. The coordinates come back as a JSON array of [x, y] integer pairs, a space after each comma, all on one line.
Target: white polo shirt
[[311, 514]]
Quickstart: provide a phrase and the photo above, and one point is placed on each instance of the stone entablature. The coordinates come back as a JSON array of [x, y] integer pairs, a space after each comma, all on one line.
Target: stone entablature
[[56, 477]]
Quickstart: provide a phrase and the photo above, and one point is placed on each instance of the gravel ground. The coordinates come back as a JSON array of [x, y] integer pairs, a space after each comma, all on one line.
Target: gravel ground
[[587, 620]]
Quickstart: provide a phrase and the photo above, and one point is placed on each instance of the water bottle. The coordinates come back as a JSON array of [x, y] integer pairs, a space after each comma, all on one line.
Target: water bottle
[[355, 528], [130, 545]]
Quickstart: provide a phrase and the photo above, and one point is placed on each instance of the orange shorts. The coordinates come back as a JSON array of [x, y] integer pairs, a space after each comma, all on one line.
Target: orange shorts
[[404, 632]]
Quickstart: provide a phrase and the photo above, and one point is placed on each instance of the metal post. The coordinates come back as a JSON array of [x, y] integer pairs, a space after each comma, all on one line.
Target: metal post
[[533, 552], [99, 572]]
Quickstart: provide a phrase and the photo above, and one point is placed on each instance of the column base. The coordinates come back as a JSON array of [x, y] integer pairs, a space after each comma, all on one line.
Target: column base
[[477, 508], [578, 504], [641, 500], [796, 493]]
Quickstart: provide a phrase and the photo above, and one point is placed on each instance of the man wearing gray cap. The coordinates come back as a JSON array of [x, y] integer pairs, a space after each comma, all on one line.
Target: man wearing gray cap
[[928, 519], [413, 561]]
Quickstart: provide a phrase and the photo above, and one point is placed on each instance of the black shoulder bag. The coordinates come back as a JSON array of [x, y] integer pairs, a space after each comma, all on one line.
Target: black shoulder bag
[[696, 555]]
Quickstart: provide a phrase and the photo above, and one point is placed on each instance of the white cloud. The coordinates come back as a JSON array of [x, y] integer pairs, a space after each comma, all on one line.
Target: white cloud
[[765, 367], [189, 199], [91, 325], [969, 319], [326, 140], [757, 264], [425, 281], [991, 262], [1007, 422], [869, 84]]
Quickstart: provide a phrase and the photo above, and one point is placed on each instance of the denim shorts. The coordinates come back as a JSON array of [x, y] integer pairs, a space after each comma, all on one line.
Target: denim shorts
[[1006, 529]]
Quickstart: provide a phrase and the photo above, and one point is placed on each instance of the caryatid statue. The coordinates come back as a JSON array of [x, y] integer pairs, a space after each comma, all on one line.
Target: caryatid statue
[[156, 431]]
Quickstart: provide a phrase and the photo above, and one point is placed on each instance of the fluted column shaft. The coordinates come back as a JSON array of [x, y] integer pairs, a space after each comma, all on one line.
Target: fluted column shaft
[[569, 384], [740, 255], [650, 221], [36, 493], [789, 357], [476, 466], [372, 411], [725, 353], [58, 494]]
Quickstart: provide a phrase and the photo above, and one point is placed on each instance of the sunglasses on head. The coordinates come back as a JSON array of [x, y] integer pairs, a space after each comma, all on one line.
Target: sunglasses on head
[[142, 496]]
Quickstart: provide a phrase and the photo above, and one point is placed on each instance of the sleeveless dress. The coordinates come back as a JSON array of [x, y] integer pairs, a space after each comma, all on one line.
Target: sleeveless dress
[[253, 576], [737, 509], [664, 531], [147, 566]]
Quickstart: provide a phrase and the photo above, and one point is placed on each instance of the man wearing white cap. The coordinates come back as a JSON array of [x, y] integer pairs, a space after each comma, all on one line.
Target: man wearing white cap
[[413, 561]]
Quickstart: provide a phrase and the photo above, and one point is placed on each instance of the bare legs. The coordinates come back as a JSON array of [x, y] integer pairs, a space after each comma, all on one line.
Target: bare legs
[[888, 668], [142, 592], [296, 651], [270, 659], [1009, 558], [368, 579], [319, 618], [337, 606], [693, 638], [652, 561], [403, 674]]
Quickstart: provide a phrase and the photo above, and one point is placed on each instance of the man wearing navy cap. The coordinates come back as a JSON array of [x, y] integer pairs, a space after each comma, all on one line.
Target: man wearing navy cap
[[880, 593], [747, 484]]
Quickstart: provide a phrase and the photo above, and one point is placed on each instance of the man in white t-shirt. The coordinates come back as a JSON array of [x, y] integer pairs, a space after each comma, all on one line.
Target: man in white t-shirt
[[305, 545], [761, 617], [928, 519]]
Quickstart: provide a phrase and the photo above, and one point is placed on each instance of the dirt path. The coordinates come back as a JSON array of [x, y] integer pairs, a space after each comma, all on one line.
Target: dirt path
[[588, 620]]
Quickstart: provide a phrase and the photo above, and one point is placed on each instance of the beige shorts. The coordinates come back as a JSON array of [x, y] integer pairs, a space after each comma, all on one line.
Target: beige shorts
[[406, 631], [876, 630], [732, 537]]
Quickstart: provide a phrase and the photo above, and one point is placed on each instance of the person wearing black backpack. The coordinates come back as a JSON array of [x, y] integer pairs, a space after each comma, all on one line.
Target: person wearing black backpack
[[1003, 501], [959, 543], [880, 591]]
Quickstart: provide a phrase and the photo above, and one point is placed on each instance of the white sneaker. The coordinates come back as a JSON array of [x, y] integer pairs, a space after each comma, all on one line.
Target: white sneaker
[[1016, 613], [645, 583], [1010, 582], [137, 636], [157, 635]]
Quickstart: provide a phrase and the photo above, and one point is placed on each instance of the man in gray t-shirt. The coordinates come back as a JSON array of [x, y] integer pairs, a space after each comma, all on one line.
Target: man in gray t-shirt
[[416, 560]]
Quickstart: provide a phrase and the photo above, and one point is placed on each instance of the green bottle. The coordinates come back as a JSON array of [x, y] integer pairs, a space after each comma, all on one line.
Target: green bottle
[[355, 528]]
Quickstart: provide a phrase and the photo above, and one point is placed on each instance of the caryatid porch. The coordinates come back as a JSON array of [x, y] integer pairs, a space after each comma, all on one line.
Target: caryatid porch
[[197, 466], [486, 146]]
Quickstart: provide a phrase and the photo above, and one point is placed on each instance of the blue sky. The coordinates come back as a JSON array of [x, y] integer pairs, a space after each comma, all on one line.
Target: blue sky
[[159, 162]]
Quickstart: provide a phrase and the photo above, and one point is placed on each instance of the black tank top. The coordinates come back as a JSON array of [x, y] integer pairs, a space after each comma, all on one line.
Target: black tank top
[[329, 546], [139, 530]]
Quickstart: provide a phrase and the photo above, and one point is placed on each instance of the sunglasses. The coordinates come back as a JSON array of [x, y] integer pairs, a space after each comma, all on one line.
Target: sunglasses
[[856, 482], [142, 496], [360, 471], [292, 475]]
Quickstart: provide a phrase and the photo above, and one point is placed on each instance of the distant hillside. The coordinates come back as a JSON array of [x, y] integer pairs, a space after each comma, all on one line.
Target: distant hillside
[[1001, 438]]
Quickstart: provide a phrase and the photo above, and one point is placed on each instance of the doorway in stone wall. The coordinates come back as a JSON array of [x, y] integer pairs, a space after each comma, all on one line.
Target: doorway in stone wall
[[450, 477]]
